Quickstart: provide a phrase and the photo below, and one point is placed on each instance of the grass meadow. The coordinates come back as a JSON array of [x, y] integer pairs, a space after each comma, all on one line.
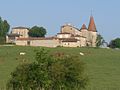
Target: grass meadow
[[102, 65]]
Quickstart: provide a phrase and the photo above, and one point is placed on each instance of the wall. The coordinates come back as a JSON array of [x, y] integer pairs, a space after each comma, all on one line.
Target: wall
[[82, 42], [92, 38], [63, 35], [11, 39], [44, 43], [21, 42], [84, 33], [70, 44]]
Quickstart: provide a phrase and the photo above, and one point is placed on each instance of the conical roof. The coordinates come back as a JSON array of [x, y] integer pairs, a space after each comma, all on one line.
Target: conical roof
[[83, 27], [92, 26]]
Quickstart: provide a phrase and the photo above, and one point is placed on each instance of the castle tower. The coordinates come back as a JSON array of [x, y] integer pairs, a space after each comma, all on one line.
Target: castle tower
[[84, 31], [92, 26], [83, 27], [92, 32]]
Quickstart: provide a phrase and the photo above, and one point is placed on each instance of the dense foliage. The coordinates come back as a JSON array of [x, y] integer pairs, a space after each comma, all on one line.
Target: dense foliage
[[4, 28], [99, 40], [115, 43], [36, 31], [49, 72]]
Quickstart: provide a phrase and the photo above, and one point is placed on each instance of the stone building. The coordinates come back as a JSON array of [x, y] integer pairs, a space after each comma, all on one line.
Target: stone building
[[82, 37], [69, 36], [22, 31], [17, 32]]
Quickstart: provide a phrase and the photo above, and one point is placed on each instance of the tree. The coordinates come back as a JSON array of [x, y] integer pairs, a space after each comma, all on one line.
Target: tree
[[4, 28], [34, 76], [49, 72], [99, 40], [67, 73], [115, 43], [37, 32]]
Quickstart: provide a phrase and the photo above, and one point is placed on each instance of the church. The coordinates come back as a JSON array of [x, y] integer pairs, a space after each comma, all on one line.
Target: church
[[69, 36]]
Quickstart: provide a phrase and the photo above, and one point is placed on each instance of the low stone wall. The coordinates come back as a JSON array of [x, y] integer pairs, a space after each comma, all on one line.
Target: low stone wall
[[21, 42], [70, 44], [45, 43]]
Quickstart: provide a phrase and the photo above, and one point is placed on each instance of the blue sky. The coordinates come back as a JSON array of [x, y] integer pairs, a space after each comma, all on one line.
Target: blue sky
[[52, 14]]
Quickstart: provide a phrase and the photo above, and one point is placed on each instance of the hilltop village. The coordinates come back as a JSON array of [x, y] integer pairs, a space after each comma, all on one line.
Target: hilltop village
[[69, 36]]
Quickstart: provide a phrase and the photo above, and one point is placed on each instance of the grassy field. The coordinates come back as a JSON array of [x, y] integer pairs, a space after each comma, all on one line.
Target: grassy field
[[102, 65]]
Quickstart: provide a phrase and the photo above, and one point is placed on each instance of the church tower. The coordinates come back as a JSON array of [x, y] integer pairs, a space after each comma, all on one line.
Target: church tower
[[92, 31]]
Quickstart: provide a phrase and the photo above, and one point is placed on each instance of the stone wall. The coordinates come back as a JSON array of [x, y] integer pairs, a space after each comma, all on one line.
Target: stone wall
[[44, 43], [71, 44]]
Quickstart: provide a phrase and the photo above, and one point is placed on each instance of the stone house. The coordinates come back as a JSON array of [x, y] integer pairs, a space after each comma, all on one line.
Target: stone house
[[17, 32], [85, 36]]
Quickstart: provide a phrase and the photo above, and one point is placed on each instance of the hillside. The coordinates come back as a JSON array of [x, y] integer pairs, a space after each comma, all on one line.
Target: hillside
[[102, 65]]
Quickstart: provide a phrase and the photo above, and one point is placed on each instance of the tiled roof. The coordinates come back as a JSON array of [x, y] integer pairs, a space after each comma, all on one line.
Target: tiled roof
[[12, 34], [92, 26], [20, 27], [63, 33], [69, 40], [70, 26], [83, 27]]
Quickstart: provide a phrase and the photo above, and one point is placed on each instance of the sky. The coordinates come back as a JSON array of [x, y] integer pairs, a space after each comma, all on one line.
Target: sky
[[52, 14]]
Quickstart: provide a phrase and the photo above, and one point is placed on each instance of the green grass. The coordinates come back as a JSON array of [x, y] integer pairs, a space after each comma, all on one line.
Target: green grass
[[102, 65]]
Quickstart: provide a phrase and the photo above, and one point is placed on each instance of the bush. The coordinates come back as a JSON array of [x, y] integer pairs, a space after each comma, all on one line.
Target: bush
[[115, 43], [49, 72]]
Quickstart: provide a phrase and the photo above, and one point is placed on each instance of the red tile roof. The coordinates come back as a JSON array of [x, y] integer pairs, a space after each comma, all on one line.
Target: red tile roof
[[63, 33], [69, 40], [83, 27], [92, 26]]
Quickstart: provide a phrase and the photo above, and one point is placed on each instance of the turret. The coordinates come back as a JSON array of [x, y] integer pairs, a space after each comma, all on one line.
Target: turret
[[92, 32], [92, 26], [84, 31], [83, 27]]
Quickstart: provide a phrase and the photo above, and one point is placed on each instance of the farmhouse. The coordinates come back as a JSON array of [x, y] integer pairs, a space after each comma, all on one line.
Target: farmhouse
[[69, 36], [17, 32]]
